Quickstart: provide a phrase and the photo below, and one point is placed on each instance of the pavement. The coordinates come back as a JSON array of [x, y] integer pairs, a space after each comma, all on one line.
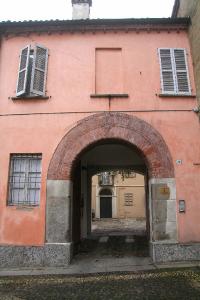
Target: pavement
[[136, 226], [99, 265]]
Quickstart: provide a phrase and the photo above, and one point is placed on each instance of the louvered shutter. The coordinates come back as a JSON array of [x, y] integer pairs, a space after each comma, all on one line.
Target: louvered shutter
[[39, 70], [23, 70], [182, 78], [167, 74]]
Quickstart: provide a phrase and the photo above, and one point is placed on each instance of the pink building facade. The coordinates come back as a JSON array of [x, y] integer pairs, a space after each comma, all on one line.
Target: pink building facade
[[69, 87]]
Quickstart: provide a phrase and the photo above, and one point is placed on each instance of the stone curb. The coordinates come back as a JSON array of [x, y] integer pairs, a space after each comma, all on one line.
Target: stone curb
[[78, 270]]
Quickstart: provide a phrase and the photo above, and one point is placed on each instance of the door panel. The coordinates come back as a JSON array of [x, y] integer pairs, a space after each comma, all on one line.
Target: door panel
[[105, 207]]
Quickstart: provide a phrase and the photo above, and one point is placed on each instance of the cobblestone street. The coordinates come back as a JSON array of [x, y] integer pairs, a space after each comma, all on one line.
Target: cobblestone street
[[119, 226], [159, 285]]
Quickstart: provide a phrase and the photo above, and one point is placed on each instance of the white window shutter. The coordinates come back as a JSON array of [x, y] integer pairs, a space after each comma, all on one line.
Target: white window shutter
[[166, 67], [181, 70], [39, 71], [23, 70]]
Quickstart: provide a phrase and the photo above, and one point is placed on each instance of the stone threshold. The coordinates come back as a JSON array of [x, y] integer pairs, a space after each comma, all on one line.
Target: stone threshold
[[84, 270]]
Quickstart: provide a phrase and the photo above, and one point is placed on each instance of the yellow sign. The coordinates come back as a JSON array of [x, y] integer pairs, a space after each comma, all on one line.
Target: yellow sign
[[164, 190]]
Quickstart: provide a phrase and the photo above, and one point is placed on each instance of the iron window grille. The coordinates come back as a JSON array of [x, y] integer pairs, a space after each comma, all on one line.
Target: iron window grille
[[130, 175], [25, 179], [106, 179]]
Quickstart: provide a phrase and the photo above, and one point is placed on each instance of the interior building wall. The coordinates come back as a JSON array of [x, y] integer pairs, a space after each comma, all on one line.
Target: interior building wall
[[122, 186]]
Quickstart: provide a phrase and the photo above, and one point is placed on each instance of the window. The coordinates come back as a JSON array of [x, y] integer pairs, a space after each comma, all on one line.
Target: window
[[25, 179], [174, 71], [130, 174], [128, 199], [32, 71], [105, 178]]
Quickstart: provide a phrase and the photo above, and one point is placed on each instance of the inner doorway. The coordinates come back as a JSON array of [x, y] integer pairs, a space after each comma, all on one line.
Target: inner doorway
[[105, 203]]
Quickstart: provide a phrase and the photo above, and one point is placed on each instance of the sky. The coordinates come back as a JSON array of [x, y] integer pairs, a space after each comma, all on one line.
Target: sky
[[62, 9]]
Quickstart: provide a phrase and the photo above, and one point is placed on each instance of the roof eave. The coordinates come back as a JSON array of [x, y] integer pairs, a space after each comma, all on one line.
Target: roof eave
[[95, 24]]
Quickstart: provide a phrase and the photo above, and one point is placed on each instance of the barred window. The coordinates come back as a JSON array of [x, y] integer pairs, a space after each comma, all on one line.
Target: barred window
[[130, 175], [105, 178], [128, 199], [25, 179]]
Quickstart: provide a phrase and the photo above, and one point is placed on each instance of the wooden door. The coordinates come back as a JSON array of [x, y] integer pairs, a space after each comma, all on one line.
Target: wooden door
[[105, 207]]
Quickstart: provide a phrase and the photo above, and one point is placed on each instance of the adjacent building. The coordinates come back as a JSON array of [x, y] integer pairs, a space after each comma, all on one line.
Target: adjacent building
[[185, 8]]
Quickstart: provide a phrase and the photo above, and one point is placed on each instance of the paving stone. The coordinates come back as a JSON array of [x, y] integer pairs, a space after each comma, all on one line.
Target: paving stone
[[127, 226], [103, 239], [129, 239]]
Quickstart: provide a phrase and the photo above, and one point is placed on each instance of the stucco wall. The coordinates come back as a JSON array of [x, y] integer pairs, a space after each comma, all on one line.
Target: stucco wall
[[37, 126], [71, 71]]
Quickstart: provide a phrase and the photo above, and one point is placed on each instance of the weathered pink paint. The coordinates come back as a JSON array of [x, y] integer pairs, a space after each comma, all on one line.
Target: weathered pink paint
[[70, 81]]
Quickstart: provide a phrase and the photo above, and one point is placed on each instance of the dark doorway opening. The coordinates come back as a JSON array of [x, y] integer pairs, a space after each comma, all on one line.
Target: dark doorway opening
[[105, 203]]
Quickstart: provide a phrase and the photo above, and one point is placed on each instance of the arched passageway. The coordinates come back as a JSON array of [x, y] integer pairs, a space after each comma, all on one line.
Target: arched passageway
[[108, 156], [64, 173]]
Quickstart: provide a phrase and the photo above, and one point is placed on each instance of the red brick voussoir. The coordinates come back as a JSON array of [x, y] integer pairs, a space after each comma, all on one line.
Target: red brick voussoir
[[118, 126]]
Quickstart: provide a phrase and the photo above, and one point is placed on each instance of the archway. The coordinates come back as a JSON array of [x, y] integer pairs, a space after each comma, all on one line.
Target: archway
[[109, 126], [98, 128]]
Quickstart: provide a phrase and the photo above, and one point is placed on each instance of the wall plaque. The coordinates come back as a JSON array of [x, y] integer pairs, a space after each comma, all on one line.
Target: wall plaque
[[160, 192]]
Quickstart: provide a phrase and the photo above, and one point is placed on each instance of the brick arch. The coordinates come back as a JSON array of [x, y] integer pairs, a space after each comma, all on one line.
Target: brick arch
[[119, 126]]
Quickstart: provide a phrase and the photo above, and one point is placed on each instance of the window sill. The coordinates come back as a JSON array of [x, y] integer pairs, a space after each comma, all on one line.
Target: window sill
[[109, 96], [23, 207], [30, 98], [176, 96]]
